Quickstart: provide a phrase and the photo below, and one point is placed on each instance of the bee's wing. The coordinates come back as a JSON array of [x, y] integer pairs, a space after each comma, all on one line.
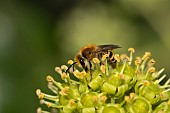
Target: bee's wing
[[105, 48]]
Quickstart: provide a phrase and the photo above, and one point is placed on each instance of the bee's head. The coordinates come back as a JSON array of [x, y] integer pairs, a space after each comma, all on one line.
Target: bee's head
[[80, 60]]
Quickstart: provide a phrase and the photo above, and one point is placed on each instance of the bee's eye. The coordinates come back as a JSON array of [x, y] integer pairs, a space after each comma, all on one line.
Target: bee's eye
[[82, 62]]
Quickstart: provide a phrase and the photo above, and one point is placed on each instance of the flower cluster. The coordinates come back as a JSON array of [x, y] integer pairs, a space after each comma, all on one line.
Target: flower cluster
[[127, 88]]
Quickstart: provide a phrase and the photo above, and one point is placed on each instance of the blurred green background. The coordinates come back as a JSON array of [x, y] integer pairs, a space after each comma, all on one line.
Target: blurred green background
[[38, 35]]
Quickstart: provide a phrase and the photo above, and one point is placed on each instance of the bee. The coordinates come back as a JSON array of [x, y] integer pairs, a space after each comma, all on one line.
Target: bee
[[90, 51]]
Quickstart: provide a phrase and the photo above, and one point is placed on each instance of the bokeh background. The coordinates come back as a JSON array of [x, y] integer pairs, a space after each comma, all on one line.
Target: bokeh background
[[38, 35]]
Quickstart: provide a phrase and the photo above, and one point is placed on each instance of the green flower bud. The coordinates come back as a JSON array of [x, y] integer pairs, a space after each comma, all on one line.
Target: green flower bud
[[112, 109], [82, 88], [115, 80], [88, 110], [88, 99], [96, 82], [108, 88], [63, 100], [164, 107], [138, 105]]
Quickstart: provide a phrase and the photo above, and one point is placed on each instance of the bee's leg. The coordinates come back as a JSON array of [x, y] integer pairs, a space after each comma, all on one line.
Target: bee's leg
[[90, 69]]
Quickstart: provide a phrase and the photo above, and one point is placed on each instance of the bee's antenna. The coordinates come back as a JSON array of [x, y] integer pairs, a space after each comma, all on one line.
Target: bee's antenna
[[70, 67]]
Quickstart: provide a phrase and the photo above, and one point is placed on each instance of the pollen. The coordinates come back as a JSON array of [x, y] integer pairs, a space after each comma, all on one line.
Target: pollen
[[70, 62], [96, 60], [131, 50]]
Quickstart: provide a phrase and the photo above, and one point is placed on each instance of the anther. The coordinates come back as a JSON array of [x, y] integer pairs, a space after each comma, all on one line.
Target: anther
[[117, 57], [49, 78], [64, 67], [70, 62], [96, 60], [131, 50]]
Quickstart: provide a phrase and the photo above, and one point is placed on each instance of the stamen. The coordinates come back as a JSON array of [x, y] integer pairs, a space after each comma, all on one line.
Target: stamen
[[167, 90], [71, 102], [138, 61], [70, 62], [64, 91], [146, 55], [117, 57], [150, 70], [127, 98], [122, 76], [95, 98], [124, 57], [58, 69], [64, 67], [144, 58], [132, 95], [82, 74], [167, 86], [64, 76], [78, 74], [103, 98], [146, 83], [96, 60], [104, 57], [50, 79], [167, 82], [50, 104], [160, 79], [39, 94], [46, 96], [132, 50], [103, 68], [156, 74], [151, 62], [39, 110], [52, 87]]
